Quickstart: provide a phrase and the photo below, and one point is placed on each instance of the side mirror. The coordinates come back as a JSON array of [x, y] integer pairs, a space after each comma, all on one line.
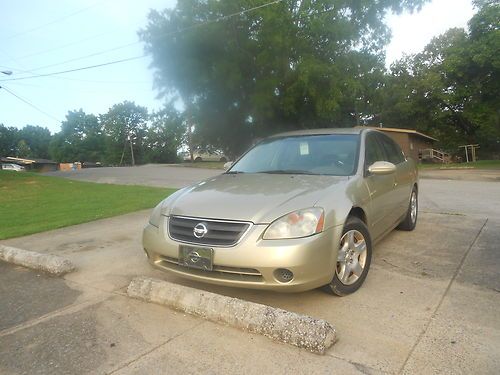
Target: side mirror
[[228, 165], [381, 168]]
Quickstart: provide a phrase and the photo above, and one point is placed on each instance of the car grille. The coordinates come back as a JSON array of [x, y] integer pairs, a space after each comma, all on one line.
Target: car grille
[[219, 232]]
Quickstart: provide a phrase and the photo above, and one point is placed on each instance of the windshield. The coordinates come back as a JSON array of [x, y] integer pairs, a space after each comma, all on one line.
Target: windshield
[[333, 154]]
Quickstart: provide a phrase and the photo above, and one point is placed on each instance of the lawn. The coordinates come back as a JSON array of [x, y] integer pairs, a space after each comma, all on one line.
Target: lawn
[[31, 203], [481, 164]]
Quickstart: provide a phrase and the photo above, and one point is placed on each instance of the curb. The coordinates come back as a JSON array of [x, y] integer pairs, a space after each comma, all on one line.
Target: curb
[[53, 264], [315, 335]]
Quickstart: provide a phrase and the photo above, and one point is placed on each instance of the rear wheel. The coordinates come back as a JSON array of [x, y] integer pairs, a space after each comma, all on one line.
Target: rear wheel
[[410, 221], [353, 259], [198, 159]]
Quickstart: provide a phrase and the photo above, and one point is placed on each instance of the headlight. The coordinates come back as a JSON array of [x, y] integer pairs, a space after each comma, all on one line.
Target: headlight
[[301, 223], [156, 215]]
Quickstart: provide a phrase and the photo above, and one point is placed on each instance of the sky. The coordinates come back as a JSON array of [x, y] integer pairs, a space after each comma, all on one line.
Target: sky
[[45, 36]]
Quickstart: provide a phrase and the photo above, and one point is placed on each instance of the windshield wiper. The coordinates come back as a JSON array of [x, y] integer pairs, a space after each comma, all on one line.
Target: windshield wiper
[[234, 172], [287, 171]]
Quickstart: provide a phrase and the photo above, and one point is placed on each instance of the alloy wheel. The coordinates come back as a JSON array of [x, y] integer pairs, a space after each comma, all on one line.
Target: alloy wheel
[[413, 207], [351, 258]]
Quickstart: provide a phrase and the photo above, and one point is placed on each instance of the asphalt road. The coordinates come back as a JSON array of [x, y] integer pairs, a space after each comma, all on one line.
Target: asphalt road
[[160, 175], [429, 305]]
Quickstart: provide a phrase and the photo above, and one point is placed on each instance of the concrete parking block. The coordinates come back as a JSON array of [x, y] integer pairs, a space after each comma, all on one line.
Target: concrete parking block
[[53, 264], [315, 335]]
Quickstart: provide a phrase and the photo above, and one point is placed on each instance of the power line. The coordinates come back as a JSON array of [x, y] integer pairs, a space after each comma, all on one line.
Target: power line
[[178, 31], [75, 70], [11, 58], [29, 103], [70, 44], [112, 49], [43, 52], [84, 57], [15, 70], [222, 18], [67, 78], [57, 20]]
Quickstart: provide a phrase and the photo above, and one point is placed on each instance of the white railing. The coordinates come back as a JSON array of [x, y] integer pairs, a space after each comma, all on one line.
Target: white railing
[[430, 154]]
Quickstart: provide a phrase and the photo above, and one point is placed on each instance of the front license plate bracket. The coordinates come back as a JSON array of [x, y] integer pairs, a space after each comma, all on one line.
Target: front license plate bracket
[[196, 257]]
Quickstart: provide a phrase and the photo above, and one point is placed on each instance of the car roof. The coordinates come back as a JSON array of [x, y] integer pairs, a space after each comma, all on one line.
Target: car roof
[[323, 131]]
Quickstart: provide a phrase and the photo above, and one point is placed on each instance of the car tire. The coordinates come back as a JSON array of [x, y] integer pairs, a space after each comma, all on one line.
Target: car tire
[[223, 159], [346, 280], [198, 159], [410, 221]]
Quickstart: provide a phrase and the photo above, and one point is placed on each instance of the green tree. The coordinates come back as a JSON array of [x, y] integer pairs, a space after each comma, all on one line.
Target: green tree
[[37, 139], [80, 139], [293, 64], [8, 140], [23, 150], [165, 136], [125, 127], [451, 90]]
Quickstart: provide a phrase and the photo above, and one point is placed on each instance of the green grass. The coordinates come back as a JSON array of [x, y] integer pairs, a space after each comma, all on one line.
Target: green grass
[[481, 164], [204, 164], [32, 203]]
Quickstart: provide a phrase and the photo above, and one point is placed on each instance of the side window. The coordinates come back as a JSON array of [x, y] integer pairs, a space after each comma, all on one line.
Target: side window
[[392, 150], [399, 151], [373, 150]]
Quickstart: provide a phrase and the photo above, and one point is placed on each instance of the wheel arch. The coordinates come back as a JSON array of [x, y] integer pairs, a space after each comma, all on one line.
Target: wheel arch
[[358, 212]]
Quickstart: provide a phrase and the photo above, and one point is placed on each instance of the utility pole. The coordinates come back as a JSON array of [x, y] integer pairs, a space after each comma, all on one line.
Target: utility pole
[[131, 149], [189, 134], [123, 152]]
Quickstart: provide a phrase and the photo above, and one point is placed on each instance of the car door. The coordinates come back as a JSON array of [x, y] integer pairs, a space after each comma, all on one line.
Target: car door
[[380, 188], [402, 177], [212, 156]]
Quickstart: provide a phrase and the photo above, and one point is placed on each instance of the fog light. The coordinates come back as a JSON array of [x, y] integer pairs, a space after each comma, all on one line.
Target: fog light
[[283, 275]]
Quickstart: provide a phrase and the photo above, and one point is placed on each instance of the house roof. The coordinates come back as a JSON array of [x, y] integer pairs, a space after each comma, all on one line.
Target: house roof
[[407, 131], [28, 161]]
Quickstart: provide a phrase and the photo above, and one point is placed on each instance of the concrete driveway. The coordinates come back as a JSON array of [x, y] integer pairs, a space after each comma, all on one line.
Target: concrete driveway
[[429, 305]]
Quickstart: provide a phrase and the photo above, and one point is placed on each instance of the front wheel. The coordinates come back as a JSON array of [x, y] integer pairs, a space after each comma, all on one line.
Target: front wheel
[[353, 259], [410, 221]]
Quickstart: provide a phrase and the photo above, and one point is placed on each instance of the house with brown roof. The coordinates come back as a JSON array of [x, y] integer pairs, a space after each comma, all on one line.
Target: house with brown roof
[[41, 165]]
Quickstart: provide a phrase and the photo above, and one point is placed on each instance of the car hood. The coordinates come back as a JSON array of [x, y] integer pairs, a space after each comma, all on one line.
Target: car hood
[[258, 197]]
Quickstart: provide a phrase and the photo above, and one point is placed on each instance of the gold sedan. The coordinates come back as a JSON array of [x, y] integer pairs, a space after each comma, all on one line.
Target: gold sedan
[[299, 210]]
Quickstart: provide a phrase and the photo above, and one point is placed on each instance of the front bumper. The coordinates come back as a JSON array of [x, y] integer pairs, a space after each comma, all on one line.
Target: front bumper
[[253, 261]]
